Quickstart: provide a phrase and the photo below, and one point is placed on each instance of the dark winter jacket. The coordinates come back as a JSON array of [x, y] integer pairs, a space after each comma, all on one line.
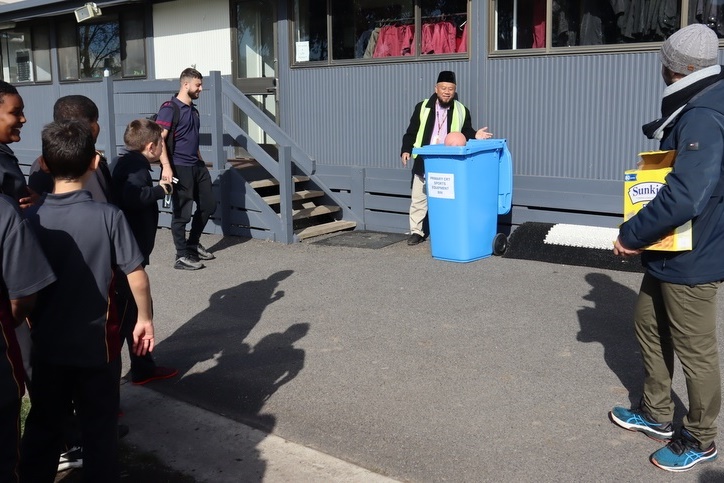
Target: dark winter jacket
[[138, 198], [408, 140], [694, 191]]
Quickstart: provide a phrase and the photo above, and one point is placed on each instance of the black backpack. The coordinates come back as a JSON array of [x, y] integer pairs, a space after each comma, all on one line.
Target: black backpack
[[170, 141]]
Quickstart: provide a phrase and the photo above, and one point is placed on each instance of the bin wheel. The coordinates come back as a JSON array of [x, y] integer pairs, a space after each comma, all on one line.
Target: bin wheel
[[500, 244]]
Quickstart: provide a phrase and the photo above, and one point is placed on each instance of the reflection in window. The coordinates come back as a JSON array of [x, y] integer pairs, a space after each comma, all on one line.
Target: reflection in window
[[111, 47], [521, 24], [25, 55], [99, 47], [371, 29], [133, 46]]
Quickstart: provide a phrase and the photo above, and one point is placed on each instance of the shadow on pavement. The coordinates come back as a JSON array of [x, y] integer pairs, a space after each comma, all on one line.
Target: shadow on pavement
[[221, 372], [610, 323]]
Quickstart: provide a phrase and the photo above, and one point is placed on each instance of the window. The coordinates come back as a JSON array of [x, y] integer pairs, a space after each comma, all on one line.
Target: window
[[113, 46], [363, 30], [25, 55], [522, 24]]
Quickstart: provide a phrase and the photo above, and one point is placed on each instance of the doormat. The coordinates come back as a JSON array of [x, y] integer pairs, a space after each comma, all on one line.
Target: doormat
[[569, 245], [362, 239]]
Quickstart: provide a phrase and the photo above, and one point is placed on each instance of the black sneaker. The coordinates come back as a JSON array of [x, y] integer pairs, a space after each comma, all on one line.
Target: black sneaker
[[73, 458], [200, 252], [187, 263]]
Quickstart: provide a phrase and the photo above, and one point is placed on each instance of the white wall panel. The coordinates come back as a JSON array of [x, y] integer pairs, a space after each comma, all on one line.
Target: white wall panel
[[189, 32]]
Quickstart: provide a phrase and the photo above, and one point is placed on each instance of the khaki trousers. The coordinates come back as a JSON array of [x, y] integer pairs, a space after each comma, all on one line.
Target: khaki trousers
[[671, 318], [418, 205]]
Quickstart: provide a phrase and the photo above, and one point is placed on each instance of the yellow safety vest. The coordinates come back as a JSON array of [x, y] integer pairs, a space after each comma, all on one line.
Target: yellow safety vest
[[455, 126]]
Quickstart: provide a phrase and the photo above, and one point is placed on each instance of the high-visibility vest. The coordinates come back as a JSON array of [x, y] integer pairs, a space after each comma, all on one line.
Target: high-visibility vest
[[455, 126]]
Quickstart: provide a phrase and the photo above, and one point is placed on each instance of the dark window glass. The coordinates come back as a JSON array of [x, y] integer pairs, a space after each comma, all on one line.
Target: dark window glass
[[133, 46]]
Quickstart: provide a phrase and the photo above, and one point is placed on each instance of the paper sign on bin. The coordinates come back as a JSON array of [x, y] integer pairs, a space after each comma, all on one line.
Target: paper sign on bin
[[441, 185]]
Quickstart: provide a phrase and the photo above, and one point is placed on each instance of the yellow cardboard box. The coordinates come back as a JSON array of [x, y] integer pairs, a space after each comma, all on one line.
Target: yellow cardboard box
[[641, 186]]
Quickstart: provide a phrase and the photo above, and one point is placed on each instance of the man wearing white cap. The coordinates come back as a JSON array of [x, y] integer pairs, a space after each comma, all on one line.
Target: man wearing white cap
[[676, 308]]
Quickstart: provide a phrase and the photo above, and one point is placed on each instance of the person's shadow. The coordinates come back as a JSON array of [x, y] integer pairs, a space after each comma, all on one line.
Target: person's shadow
[[610, 323], [222, 372]]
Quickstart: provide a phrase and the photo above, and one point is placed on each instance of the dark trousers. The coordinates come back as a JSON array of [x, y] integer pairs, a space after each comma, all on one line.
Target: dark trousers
[[95, 391], [9, 441], [141, 366], [194, 185]]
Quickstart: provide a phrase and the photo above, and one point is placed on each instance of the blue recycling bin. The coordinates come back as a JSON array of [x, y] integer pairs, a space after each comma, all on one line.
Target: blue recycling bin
[[467, 188]]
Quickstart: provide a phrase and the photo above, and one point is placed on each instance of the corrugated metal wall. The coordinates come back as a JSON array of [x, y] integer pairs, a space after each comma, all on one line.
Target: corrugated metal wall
[[356, 115], [573, 122]]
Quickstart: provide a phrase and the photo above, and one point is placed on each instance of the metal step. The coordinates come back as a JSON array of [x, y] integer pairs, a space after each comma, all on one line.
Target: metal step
[[314, 211], [324, 229], [296, 196]]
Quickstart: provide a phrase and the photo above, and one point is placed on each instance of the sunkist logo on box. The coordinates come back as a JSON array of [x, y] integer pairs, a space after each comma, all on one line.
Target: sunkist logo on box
[[644, 191]]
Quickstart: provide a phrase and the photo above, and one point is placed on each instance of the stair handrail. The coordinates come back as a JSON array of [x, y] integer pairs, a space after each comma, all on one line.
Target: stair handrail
[[305, 162], [293, 152]]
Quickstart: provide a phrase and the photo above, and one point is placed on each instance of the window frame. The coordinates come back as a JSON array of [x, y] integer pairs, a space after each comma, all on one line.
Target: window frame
[[418, 57], [549, 50], [32, 28], [111, 15]]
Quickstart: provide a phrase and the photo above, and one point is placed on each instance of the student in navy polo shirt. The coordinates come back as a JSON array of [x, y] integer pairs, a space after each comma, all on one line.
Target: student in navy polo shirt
[[194, 180], [75, 327], [136, 195], [19, 282], [81, 108], [12, 118]]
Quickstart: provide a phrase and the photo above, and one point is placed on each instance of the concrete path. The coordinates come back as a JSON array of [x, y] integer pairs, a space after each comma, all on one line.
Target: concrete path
[[412, 368]]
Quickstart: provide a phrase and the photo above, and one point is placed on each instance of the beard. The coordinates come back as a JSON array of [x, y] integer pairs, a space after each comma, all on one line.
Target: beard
[[445, 105]]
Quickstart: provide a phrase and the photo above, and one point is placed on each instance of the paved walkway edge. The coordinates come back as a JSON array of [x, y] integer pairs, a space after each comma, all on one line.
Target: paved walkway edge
[[212, 448]]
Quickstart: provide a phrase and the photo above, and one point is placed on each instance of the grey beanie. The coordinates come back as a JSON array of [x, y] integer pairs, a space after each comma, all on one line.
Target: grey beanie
[[690, 49]]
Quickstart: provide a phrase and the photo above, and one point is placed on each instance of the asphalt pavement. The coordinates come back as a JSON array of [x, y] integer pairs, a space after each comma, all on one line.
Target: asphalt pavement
[[321, 363]]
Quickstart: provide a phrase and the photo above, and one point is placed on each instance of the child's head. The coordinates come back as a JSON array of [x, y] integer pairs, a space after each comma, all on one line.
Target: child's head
[[77, 107], [68, 149], [144, 136], [12, 117]]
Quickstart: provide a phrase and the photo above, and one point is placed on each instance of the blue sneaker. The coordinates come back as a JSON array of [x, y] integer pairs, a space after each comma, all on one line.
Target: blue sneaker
[[639, 420], [682, 453]]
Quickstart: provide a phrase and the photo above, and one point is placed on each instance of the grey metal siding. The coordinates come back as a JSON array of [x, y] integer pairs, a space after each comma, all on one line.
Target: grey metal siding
[[356, 115], [573, 122]]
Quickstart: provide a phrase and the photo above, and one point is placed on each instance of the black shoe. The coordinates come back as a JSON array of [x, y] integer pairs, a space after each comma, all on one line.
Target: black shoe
[[200, 252], [187, 263], [415, 239]]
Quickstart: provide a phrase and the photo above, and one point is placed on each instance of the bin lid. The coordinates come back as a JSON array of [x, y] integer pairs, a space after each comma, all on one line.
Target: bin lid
[[473, 146]]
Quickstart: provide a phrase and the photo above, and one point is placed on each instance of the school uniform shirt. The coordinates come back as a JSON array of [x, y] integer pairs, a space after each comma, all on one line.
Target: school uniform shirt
[[75, 321], [24, 270], [138, 198], [12, 179], [99, 184], [186, 134]]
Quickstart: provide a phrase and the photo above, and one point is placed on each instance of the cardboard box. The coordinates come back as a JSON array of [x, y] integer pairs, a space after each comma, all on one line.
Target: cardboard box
[[642, 185]]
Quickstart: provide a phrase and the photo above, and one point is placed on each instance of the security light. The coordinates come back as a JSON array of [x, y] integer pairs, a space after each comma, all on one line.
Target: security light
[[87, 12]]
